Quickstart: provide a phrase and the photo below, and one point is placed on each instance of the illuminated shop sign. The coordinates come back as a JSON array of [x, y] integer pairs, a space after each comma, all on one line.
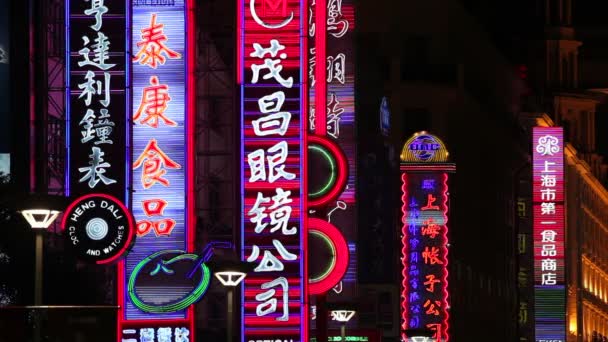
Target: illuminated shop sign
[[98, 227], [153, 286], [549, 234], [424, 237], [331, 123], [273, 231], [424, 148], [97, 98]]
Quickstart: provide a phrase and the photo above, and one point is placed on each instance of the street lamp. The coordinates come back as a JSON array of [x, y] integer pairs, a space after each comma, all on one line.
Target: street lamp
[[40, 211], [230, 274], [342, 316], [419, 335]]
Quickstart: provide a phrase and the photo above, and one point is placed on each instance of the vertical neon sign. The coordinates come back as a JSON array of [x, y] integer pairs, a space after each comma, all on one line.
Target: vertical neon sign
[[161, 159], [424, 253], [97, 97], [549, 234], [273, 232]]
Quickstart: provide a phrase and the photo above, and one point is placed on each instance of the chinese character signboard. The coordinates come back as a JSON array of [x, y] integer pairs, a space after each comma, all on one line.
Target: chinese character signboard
[[162, 164], [331, 118], [424, 257], [548, 233], [97, 97], [273, 233]]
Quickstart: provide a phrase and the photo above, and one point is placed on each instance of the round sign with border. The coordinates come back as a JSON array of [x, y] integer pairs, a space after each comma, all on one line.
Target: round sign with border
[[337, 262], [98, 227]]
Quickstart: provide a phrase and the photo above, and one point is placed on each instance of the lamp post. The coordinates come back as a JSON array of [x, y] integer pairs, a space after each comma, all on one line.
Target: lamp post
[[342, 316], [40, 211], [230, 274], [419, 335], [39, 220]]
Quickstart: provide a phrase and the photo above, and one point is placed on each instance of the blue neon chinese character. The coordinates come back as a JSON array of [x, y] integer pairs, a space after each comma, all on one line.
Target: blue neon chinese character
[[413, 203], [414, 257], [414, 243], [428, 184], [414, 284], [164, 334], [146, 335], [412, 229], [181, 335], [414, 296], [414, 322]]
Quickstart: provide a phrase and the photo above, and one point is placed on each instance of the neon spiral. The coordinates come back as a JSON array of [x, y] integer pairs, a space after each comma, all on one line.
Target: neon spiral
[[97, 228]]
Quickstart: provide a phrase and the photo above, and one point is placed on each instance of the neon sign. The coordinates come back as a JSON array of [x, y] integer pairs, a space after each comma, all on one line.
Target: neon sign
[[97, 97], [273, 232], [155, 298], [424, 253], [549, 234]]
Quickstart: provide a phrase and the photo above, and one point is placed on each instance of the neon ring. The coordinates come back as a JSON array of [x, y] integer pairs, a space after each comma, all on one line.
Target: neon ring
[[96, 231], [339, 262], [196, 294], [339, 170]]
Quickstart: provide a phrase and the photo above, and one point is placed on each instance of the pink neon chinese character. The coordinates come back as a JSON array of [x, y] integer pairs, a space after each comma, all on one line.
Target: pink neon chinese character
[[155, 207], [153, 104], [153, 159], [152, 45]]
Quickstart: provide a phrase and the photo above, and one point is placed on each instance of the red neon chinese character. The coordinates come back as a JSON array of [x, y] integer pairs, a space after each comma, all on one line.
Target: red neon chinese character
[[431, 307], [152, 46], [155, 207], [436, 327], [431, 229], [431, 280], [431, 256], [152, 159], [429, 203], [153, 104]]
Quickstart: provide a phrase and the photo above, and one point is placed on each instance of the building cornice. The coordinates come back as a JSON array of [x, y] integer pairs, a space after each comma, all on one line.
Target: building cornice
[[542, 119]]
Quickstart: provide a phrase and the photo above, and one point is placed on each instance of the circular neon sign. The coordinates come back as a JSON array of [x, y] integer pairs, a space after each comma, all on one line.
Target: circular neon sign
[[338, 256], [98, 227], [330, 185], [159, 283]]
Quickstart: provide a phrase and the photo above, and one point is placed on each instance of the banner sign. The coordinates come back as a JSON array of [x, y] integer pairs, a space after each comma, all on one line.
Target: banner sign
[[424, 255], [97, 71], [424, 235], [549, 233], [273, 134], [162, 163]]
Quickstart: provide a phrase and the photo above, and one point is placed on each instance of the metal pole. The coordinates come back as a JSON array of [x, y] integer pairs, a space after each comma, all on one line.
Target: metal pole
[[343, 332], [321, 317], [38, 270], [38, 285], [230, 315]]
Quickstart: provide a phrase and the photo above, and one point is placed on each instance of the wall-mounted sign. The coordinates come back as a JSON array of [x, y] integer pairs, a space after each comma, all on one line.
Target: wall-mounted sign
[[549, 233], [98, 227], [162, 164], [424, 148], [169, 269], [97, 97], [424, 239], [273, 139], [385, 117]]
